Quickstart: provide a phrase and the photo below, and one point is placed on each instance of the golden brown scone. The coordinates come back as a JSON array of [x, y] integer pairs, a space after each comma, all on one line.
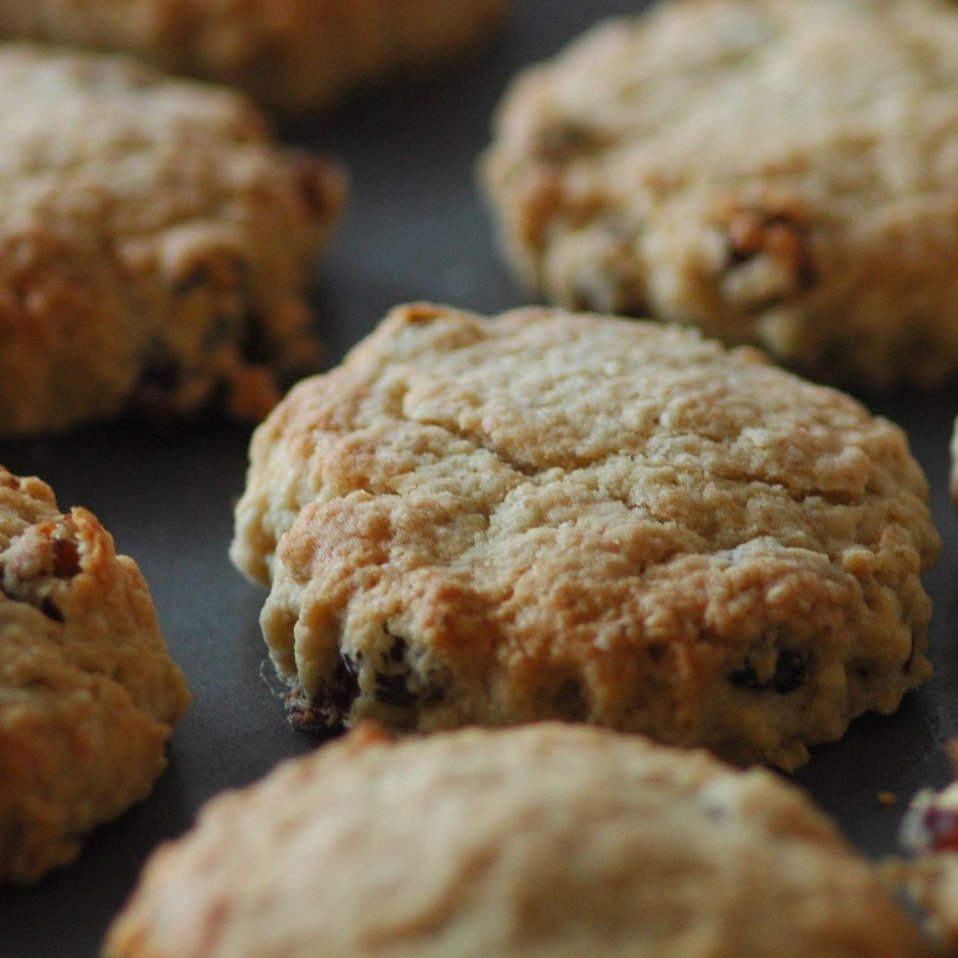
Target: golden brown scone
[[295, 56], [155, 245], [781, 172], [552, 515], [88, 691], [552, 841], [931, 878], [929, 875]]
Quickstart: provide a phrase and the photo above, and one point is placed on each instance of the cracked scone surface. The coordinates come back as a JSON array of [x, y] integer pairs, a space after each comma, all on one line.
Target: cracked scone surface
[[556, 515], [743, 166], [88, 691], [552, 840], [295, 56], [155, 245]]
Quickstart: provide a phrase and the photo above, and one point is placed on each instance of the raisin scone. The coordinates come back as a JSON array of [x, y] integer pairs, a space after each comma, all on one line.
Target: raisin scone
[[779, 172], [551, 840], [556, 515], [295, 56], [88, 690], [929, 874], [155, 245]]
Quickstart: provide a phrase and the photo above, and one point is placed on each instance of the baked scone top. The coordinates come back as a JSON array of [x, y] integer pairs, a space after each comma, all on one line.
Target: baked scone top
[[552, 840], [774, 171], [155, 244], [556, 515], [296, 56], [88, 690]]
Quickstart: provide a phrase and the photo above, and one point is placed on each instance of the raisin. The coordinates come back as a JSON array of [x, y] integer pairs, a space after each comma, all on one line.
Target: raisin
[[397, 651], [792, 667], [66, 558], [392, 690], [51, 611], [570, 703], [398, 684], [344, 689], [941, 824], [255, 345], [160, 372]]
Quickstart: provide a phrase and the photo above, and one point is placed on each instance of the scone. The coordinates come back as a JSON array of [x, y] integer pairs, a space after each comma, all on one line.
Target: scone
[[155, 245], [780, 172], [88, 691], [295, 56], [551, 841], [555, 515], [930, 874]]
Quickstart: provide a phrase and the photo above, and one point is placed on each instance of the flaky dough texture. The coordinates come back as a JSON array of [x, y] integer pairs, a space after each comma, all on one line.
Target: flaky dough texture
[[295, 56], [781, 172], [88, 691], [552, 515], [155, 245], [550, 841]]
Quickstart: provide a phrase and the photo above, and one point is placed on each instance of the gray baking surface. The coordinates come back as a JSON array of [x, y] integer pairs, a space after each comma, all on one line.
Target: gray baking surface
[[415, 229]]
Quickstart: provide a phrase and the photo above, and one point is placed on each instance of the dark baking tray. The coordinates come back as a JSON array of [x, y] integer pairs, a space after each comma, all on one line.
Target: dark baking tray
[[416, 229]]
